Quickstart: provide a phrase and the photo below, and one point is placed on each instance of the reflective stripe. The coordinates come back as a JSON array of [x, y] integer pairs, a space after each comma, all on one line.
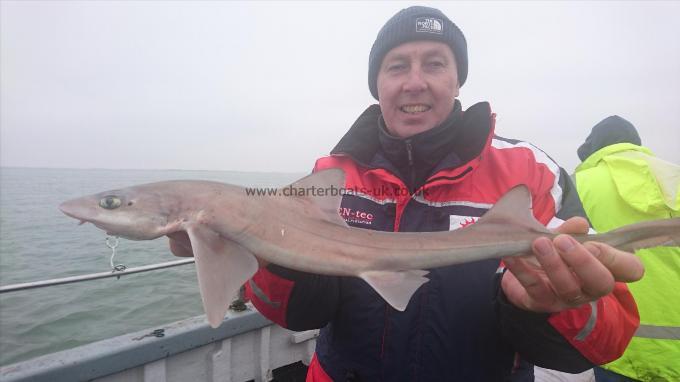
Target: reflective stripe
[[260, 294], [590, 325], [541, 157], [554, 223], [658, 332], [420, 199], [349, 191]]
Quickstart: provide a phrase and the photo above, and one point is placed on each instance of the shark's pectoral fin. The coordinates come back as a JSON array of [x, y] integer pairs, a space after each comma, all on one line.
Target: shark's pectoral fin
[[222, 266], [396, 287]]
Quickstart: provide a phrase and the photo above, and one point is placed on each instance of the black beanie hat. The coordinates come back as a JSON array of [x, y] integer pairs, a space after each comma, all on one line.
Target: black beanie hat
[[413, 24], [607, 132]]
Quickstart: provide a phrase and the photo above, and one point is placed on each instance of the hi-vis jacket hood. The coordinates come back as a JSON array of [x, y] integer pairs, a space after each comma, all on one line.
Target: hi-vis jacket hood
[[609, 131], [648, 184]]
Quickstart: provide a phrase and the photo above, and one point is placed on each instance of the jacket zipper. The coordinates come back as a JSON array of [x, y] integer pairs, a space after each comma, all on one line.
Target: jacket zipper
[[409, 152]]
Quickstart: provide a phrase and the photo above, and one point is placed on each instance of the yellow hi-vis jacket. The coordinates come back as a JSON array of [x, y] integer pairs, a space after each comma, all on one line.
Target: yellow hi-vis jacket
[[623, 184]]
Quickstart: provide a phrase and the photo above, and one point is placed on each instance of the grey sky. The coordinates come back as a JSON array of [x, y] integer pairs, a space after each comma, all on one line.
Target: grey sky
[[272, 86]]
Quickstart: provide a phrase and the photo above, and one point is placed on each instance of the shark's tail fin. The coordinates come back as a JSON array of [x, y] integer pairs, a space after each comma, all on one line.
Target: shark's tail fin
[[655, 233]]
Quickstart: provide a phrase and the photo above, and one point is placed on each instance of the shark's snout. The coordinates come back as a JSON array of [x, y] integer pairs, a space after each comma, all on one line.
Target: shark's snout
[[76, 209], [85, 210], [68, 209]]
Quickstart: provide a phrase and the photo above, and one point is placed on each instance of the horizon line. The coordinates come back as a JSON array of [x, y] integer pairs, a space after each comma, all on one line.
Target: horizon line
[[147, 169]]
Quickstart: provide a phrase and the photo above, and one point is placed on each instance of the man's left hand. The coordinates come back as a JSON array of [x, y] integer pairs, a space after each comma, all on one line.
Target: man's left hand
[[564, 273]]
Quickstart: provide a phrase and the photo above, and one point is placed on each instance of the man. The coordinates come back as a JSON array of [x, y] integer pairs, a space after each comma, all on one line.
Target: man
[[418, 162], [621, 182]]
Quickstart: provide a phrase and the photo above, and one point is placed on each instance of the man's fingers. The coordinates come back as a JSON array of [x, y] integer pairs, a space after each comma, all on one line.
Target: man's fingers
[[593, 278], [515, 292], [564, 282], [624, 266], [574, 225], [536, 287], [596, 280]]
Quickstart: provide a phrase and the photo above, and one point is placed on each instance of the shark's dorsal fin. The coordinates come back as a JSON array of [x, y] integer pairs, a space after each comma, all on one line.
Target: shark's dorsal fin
[[513, 208], [323, 190]]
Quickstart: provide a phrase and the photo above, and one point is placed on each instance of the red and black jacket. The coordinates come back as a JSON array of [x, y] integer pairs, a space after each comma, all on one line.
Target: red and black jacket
[[458, 326]]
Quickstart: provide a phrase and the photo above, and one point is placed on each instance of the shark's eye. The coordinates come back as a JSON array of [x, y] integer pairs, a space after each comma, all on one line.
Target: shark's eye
[[110, 202]]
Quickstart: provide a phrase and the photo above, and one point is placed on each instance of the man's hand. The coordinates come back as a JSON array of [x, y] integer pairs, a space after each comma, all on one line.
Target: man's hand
[[564, 273]]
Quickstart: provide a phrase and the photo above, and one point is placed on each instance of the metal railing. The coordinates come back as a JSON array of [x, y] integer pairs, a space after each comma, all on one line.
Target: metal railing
[[93, 276]]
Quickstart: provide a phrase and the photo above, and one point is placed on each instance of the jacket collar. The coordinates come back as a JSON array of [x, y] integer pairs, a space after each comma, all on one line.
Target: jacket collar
[[458, 140], [425, 149]]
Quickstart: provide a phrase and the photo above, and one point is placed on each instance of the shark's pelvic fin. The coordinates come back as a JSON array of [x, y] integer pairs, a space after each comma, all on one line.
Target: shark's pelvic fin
[[222, 267], [322, 191], [396, 287], [513, 208]]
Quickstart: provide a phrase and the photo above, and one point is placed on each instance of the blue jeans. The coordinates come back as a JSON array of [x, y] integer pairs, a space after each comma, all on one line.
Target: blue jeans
[[603, 375]]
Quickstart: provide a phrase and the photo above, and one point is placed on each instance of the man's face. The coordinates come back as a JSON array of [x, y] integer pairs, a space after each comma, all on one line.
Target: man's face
[[417, 84]]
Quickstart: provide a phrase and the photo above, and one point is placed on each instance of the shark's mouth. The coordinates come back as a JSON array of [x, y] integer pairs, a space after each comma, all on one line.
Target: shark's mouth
[[108, 229], [101, 226]]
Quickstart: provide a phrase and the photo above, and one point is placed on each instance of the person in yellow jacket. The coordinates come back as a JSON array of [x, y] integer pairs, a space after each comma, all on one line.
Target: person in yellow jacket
[[621, 182]]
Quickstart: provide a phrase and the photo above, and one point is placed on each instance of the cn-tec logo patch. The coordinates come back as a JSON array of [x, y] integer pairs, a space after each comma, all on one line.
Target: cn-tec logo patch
[[429, 25], [458, 221], [356, 216]]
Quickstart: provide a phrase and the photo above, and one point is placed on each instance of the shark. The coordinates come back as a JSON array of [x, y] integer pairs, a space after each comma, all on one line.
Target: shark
[[229, 228]]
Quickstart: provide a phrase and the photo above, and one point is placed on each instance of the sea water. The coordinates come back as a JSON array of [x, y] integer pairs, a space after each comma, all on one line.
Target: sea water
[[38, 242]]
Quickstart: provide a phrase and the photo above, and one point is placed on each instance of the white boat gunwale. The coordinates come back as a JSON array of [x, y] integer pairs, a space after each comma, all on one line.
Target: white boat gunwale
[[118, 354]]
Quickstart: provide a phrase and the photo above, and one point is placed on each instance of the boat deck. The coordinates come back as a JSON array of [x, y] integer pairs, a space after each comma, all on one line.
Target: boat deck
[[245, 347]]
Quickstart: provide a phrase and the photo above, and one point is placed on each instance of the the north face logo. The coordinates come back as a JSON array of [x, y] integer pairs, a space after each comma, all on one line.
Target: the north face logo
[[429, 25]]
